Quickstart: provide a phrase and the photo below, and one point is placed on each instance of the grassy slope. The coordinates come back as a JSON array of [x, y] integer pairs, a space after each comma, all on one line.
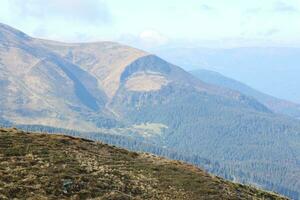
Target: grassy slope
[[41, 166]]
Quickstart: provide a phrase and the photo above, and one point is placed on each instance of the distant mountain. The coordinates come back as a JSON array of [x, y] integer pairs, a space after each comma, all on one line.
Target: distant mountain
[[118, 90], [272, 70], [64, 167], [277, 105]]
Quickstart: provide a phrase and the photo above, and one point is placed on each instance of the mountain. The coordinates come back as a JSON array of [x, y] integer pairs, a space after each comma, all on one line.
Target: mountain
[[121, 91], [277, 105], [260, 67], [40, 166], [44, 87]]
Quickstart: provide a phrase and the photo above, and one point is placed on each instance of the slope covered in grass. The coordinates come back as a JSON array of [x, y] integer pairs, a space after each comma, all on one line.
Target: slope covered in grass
[[41, 166]]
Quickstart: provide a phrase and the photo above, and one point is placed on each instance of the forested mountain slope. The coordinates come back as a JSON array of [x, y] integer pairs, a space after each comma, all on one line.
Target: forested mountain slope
[[277, 105]]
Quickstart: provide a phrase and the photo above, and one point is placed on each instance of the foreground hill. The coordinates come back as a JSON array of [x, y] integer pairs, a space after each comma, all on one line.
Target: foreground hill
[[277, 105], [115, 89], [40, 166]]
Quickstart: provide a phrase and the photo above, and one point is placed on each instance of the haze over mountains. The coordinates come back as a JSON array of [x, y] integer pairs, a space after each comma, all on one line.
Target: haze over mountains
[[262, 68], [276, 105], [117, 89]]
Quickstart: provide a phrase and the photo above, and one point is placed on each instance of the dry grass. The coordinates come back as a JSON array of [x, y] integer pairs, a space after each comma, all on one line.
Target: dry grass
[[146, 82], [39, 166]]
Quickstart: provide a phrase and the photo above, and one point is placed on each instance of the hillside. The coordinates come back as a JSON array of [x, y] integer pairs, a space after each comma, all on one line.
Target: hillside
[[277, 105], [41, 166], [118, 90]]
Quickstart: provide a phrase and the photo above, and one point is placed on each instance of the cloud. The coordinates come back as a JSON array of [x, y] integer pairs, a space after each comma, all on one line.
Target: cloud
[[269, 32], [75, 11], [145, 40], [253, 11], [206, 7], [272, 32], [283, 7], [278, 7], [64, 20], [152, 37]]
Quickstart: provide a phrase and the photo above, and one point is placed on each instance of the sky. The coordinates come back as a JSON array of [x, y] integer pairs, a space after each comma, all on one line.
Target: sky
[[155, 23]]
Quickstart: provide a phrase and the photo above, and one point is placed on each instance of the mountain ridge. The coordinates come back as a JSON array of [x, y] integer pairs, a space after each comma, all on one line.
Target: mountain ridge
[[259, 67], [279, 106], [105, 62]]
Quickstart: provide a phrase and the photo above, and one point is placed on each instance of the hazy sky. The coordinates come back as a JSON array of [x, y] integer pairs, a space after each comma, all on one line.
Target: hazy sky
[[152, 23]]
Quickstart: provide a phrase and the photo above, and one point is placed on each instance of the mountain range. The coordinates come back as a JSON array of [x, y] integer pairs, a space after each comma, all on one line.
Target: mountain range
[[279, 106], [260, 67], [122, 91]]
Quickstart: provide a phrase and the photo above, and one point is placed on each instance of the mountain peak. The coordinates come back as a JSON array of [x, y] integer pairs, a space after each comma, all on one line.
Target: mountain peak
[[10, 34]]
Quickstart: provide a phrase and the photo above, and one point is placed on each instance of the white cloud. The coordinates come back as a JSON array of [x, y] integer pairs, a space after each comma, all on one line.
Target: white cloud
[[64, 20], [152, 37], [87, 11], [206, 7], [281, 6], [147, 39], [155, 22]]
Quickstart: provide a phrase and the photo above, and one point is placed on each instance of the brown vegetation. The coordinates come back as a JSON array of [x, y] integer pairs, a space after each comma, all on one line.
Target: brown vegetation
[[40, 166]]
